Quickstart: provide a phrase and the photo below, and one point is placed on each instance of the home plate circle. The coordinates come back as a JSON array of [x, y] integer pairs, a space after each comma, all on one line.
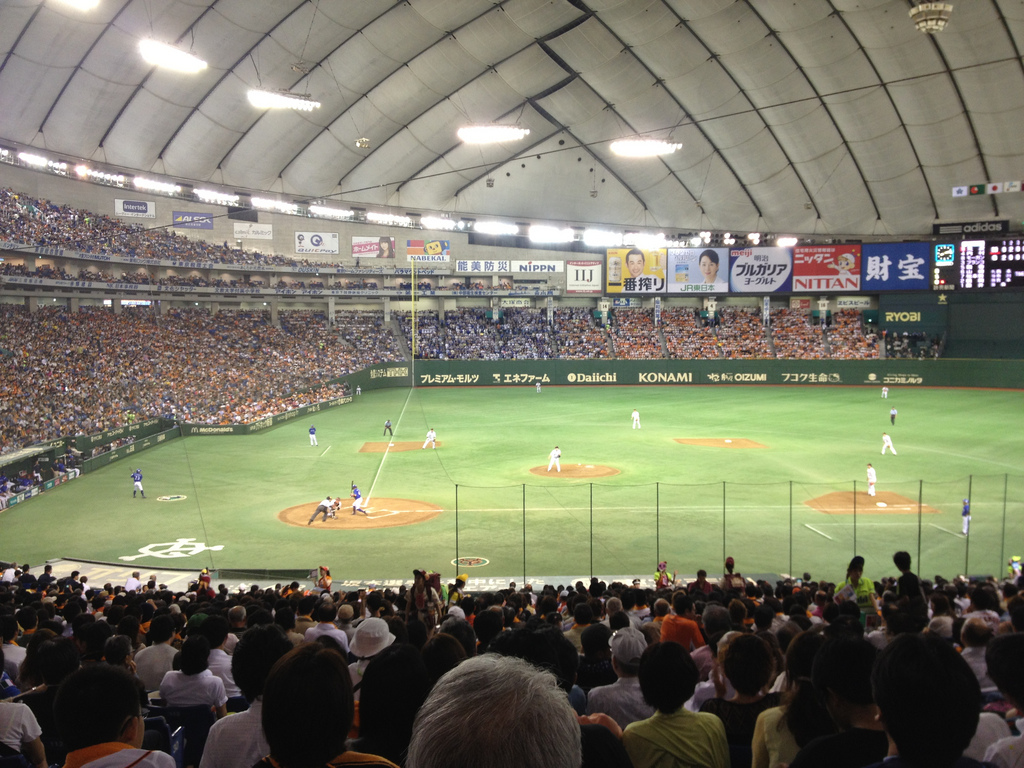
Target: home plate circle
[[881, 504]]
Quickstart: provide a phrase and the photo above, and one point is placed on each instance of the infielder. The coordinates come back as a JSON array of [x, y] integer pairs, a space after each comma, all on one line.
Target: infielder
[[636, 419], [137, 477], [892, 416], [554, 461], [357, 500], [885, 393], [871, 480], [431, 439], [966, 515], [324, 508], [887, 443], [312, 435]]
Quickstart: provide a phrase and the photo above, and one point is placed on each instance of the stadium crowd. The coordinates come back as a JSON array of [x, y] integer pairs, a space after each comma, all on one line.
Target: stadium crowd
[[847, 339], [794, 337], [687, 335], [634, 336], [740, 333], [722, 673], [76, 373]]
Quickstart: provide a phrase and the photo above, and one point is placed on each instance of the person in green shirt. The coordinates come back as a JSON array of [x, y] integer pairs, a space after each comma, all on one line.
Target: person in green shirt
[[857, 588]]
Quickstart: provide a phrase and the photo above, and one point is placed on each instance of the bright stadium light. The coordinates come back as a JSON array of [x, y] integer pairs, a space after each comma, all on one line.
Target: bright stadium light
[[495, 228], [435, 222], [167, 56], [262, 99], [152, 185], [601, 238], [218, 198], [491, 134], [643, 147], [330, 213], [389, 219], [539, 233], [269, 204]]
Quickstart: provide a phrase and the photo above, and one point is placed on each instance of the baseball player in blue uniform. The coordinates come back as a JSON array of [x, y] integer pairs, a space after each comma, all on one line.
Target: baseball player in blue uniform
[[965, 513], [312, 435], [137, 477], [357, 500]]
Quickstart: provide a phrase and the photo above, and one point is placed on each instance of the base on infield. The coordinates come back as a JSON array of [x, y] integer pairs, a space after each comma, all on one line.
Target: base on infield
[[719, 442], [394, 447], [382, 512], [882, 503], [571, 471]]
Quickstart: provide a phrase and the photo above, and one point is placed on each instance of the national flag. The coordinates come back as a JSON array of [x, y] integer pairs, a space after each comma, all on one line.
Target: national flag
[[1011, 186], [977, 189], [995, 188], [959, 191]]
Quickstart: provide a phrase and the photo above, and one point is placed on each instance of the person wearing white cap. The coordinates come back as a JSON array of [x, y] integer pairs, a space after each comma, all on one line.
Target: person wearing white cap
[[371, 637], [623, 700]]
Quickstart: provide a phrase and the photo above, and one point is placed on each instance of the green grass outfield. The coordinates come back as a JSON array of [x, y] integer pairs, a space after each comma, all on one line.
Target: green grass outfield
[[668, 501]]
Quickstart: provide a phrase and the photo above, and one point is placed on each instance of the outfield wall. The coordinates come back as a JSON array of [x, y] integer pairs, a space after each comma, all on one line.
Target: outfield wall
[[1003, 374]]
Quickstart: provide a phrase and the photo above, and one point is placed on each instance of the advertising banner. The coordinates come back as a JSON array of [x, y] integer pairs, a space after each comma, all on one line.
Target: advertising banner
[[515, 302], [698, 270], [538, 266], [853, 302], [188, 220], [760, 270], [895, 266], [139, 209], [247, 230], [632, 270], [382, 247], [317, 242], [826, 268], [583, 277], [483, 265], [428, 250]]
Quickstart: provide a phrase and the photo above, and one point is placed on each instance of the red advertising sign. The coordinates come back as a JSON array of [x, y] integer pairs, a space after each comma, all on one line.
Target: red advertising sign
[[826, 268]]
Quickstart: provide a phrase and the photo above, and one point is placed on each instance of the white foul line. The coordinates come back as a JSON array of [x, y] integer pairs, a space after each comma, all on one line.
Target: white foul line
[[818, 532], [325, 451], [946, 530], [391, 440]]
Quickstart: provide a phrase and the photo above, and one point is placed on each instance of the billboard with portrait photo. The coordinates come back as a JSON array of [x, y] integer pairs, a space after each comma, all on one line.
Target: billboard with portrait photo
[[632, 270], [698, 270], [373, 247]]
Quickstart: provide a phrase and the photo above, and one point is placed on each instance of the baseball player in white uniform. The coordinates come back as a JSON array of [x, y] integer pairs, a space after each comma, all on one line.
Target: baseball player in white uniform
[[431, 439], [555, 457], [872, 478], [885, 393], [887, 443], [636, 419], [538, 387]]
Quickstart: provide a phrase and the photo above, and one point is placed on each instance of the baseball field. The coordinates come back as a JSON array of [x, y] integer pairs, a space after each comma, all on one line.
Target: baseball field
[[772, 476]]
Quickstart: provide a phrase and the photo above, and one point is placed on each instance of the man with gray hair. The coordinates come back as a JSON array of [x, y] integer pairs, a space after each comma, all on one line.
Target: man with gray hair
[[518, 716]]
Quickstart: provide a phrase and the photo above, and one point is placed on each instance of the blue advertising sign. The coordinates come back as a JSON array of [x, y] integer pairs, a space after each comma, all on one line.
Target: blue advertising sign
[[187, 220], [895, 266], [760, 269]]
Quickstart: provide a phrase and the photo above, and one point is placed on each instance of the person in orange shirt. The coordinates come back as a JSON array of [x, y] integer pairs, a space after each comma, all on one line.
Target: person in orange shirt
[[682, 627]]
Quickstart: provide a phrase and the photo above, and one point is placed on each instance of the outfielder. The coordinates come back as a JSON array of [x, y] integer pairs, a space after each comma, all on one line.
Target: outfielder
[[965, 514], [885, 393], [554, 461], [887, 443], [892, 415], [431, 439], [871, 480], [538, 387], [357, 500], [636, 419], [137, 477], [312, 435]]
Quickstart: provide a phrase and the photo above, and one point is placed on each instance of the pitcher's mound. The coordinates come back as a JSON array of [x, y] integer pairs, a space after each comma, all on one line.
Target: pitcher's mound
[[575, 470], [720, 442], [394, 447], [882, 503], [381, 513]]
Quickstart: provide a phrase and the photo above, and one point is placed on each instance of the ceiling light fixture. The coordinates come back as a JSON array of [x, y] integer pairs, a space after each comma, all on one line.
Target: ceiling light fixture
[[435, 222], [36, 161], [81, 5], [601, 238], [262, 99], [931, 17], [539, 233], [643, 147], [491, 134], [390, 219], [785, 242], [268, 204], [495, 228], [330, 213], [152, 185], [212, 196], [167, 56], [646, 240]]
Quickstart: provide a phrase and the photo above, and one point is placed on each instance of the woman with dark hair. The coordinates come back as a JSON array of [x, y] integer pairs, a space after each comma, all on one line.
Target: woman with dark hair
[[781, 731], [29, 674], [194, 684], [385, 249], [394, 686], [673, 735], [308, 710], [748, 663]]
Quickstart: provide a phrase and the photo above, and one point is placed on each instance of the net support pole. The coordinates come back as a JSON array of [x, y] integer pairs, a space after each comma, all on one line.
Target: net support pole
[[524, 533]]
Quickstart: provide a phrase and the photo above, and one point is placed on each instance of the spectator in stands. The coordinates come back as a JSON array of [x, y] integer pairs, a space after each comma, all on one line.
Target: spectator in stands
[[622, 700], [308, 711], [239, 741], [194, 683], [19, 730], [672, 735], [682, 627], [99, 720], [325, 614], [216, 629], [441, 654], [156, 660], [1003, 657], [520, 718]]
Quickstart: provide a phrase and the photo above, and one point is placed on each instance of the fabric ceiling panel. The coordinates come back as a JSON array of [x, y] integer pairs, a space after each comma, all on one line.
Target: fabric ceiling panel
[[531, 71], [538, 18], [492, 37]]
